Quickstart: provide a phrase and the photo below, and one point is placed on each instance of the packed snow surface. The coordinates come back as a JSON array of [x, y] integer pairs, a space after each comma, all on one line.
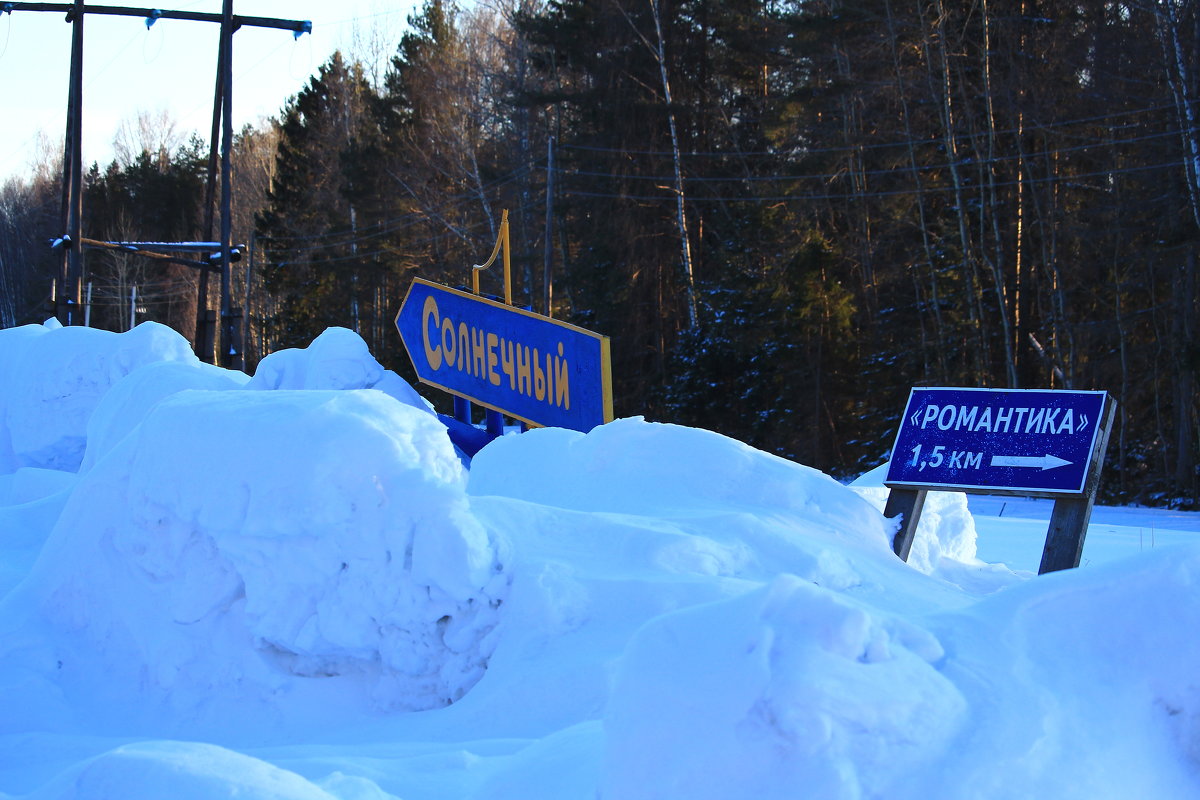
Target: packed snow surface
[[292, 585]]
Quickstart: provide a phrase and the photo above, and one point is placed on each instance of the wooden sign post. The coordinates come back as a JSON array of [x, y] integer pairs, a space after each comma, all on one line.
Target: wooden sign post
[[1017, 442]]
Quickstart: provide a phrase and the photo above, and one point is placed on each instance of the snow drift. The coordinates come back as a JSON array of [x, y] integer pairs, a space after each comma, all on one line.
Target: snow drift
[[52, 379], [191, 565], [783, 687], [228, 544], [290, 586], [945, 532]]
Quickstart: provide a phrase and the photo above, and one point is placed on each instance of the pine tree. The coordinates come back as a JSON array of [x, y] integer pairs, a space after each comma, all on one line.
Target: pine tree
[[310, 228], [150, 197]]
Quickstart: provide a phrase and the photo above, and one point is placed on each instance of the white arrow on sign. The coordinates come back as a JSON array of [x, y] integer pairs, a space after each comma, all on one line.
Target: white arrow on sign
[[1038, 462]]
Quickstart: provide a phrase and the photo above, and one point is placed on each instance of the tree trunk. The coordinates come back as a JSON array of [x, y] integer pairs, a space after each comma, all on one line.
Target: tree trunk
[[680, 204]]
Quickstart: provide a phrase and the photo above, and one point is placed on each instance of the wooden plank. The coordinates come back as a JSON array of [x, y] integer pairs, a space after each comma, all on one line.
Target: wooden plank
[[294, 25], [906, 504], [1069, 520]]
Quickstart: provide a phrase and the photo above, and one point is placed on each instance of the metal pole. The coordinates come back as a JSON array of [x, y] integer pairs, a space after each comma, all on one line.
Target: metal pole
[[462, 410], [504, 232]]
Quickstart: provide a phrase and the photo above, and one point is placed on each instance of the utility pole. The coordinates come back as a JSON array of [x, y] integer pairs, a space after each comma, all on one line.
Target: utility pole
[[68, 285], [206, 334], [71, 271], [230, 343]]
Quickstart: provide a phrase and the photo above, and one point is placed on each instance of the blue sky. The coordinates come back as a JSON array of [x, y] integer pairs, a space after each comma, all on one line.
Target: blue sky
[[170, 66]]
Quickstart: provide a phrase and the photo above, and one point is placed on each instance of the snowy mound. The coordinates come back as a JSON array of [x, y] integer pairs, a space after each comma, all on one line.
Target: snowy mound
[[128, 401], [30, 484], [51, 379], [946, 529], [786, 686], [250, 583], [180, 771], [633, 467], [337, 359], [239, 542], [1060, 687]]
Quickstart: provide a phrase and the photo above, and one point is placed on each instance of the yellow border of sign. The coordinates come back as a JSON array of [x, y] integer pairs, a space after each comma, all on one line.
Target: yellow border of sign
[[605, 349]]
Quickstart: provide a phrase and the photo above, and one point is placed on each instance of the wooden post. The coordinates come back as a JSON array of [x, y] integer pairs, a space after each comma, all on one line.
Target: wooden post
[[230, 347], [208, 342], [71, 271], [906, 504], [1069, 520], [234, 344], [246, 334]]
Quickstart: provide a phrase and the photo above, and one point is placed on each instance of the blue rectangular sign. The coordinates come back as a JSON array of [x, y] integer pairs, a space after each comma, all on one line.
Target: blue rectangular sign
[[1028, 441], [534, 368]]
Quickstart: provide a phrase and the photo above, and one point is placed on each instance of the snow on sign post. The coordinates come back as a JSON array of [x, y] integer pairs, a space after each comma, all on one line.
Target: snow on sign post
[[1027, 442], [534, 368]]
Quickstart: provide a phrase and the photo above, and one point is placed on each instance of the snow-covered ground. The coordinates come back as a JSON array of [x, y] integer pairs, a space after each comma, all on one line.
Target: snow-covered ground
[[293, 586]]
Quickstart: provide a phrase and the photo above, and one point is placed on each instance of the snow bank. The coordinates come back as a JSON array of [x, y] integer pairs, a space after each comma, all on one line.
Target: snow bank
[[30, 484], [337, 359], [181, 771], [631, 466], [946, 529], [128, 401], [54, 379], [646, 610], [51, 379], [1080, 684], [1075, 685], [786, 689], [236, 546], [633, 520]]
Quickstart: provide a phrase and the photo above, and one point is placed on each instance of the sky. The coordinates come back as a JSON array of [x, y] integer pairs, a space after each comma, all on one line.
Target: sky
[[169, 67]]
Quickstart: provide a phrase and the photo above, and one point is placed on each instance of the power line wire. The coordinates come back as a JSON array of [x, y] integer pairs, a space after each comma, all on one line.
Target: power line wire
[[828, 176], [800, 196], [805, 152], [392, 225]]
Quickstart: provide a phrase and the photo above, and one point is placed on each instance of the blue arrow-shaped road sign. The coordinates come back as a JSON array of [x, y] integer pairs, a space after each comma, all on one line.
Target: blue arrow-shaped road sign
[[530, 367]]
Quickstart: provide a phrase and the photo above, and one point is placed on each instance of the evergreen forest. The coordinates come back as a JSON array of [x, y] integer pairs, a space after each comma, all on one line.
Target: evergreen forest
[[784, 213]]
